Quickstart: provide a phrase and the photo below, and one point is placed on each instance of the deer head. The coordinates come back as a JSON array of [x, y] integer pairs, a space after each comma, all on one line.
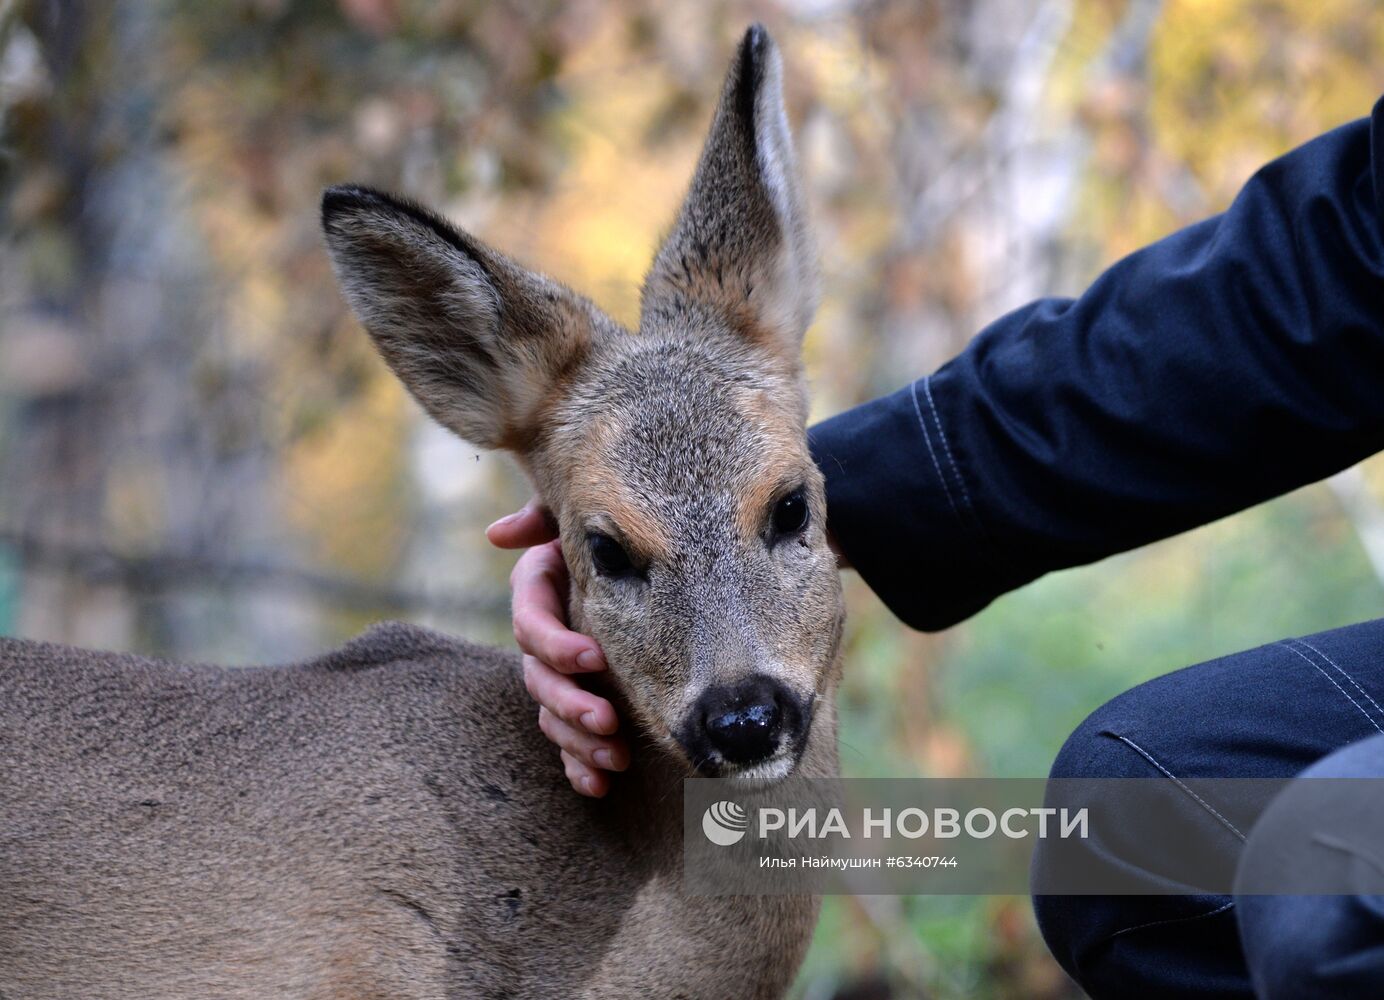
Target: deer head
[[674, 458]]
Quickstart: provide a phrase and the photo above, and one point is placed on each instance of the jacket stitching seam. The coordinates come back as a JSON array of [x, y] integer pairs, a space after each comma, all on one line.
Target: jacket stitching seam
[[946, 445], [927, 437], [990, 550]]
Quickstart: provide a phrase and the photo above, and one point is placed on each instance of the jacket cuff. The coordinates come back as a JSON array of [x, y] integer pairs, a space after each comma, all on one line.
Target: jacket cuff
[[899, 511]]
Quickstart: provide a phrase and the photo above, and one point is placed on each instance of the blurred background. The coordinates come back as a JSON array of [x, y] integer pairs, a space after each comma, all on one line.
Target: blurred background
[[200, 456]]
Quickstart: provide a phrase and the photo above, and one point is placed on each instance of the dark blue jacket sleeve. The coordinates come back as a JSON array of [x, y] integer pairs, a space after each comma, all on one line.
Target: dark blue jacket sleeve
[[1231, 362]]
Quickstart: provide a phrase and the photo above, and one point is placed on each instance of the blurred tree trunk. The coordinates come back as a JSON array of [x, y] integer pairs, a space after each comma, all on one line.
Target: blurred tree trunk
[[54, 476], [150, 439]]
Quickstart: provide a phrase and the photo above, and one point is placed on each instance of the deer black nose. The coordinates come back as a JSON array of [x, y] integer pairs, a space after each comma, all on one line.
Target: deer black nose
[[742, 721]]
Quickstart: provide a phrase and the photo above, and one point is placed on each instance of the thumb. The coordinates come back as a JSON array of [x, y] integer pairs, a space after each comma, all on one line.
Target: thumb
[[530, 525]]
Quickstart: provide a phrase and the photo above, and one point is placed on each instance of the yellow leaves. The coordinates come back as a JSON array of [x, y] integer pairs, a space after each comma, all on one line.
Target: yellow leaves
[[1228, 86], [1068, 83], [598, 230], [1237, 82]]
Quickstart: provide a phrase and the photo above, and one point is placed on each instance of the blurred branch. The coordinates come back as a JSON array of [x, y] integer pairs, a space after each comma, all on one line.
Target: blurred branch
[[164, 571]]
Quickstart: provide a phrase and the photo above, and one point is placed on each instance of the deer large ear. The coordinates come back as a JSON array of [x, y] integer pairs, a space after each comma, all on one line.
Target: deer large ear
[[481, 342], [741, 246]]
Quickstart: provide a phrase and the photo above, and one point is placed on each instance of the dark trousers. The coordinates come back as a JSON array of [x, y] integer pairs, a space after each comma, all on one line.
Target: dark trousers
[[1313, 705]]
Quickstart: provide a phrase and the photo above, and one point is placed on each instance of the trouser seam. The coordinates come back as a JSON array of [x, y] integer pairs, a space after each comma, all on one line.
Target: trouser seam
[[1292, 644], [1171, 920], [1180, 784]]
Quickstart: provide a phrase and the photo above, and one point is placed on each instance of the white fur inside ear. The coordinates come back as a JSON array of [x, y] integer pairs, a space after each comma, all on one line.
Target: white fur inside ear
[[773, 140], [793, 289]]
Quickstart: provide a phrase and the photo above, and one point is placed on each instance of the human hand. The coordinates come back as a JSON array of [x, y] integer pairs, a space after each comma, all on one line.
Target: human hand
[[580, 723]]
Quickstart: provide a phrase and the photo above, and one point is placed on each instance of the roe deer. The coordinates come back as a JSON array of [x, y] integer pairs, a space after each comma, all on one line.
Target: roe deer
[[387, 821]]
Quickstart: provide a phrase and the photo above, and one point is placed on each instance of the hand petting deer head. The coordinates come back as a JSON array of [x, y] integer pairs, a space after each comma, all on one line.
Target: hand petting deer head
[[674, 459]]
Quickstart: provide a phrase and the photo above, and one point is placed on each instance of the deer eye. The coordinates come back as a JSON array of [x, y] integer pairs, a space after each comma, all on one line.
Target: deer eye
[[790, 514], [609, 556]]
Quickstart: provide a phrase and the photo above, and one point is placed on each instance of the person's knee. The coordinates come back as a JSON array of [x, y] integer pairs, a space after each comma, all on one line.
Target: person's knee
[[1199, 723], [1108, 744], [1073, 923], [1103, 745], [1132, 928]]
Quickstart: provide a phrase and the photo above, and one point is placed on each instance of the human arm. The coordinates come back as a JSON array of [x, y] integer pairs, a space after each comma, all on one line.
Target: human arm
[[1226, 364]]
